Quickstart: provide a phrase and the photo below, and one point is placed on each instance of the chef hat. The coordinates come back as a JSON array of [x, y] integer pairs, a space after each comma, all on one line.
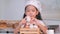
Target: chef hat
[[35, 3]]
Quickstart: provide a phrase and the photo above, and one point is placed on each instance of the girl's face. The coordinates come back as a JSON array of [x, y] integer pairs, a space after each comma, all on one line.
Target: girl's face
[[31, 11]]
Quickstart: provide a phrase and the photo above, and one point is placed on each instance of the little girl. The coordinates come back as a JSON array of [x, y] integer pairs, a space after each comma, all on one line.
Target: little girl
[[33, 9]]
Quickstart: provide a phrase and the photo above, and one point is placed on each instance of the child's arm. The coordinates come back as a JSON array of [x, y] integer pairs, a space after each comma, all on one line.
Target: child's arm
[[40, 24], [23, 21], [43, 28], [17, 29]]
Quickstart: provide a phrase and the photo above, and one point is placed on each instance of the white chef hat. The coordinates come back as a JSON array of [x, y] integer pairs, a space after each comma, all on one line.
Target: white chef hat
[[35, 3]]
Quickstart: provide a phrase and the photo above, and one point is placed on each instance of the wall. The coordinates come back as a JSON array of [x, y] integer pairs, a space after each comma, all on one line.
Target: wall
[[14, 9]]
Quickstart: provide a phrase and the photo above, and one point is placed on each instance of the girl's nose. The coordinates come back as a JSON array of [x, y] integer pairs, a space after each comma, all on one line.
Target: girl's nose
[[30, 11]]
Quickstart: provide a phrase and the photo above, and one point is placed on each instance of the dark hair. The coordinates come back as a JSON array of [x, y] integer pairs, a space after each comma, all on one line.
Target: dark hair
[[37, 16]]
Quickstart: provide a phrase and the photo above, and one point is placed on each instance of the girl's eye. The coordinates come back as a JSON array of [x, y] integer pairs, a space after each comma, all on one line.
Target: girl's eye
[[27, 10], [30, 10], [33, 10]]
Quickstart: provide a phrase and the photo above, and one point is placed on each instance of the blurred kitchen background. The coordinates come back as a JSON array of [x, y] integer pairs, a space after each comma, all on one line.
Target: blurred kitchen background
[[11, 12]]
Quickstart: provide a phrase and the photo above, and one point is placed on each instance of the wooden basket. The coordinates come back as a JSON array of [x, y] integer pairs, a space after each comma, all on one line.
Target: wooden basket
[[29, 31]]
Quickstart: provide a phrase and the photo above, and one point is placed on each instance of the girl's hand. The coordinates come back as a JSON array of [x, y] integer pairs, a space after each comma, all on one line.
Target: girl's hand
[[33, 20], [23, 21]]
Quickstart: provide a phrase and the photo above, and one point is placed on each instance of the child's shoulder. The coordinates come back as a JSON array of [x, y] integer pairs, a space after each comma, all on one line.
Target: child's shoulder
[[41, 22]]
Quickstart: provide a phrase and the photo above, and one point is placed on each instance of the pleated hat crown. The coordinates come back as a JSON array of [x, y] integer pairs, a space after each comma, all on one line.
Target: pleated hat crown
[[35, 3]]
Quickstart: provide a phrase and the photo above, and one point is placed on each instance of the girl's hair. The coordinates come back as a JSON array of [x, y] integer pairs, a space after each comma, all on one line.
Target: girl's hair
[[37, 16]]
